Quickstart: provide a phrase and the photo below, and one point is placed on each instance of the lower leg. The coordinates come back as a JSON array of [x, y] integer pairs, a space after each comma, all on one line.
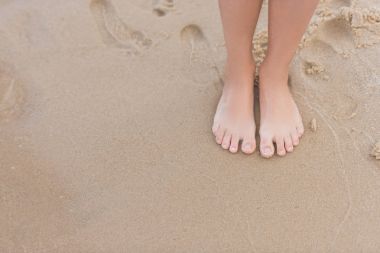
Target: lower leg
[[239, 19], [233, 119], [288, 20], [280, 119]]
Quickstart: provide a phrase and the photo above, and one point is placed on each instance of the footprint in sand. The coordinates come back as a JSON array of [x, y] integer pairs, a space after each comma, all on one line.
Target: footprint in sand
[[11, 95], [114, 31], [343, 104], [335, 33], [162, 7], [365, 25], [197, 56], [346, 28], [345, 107]]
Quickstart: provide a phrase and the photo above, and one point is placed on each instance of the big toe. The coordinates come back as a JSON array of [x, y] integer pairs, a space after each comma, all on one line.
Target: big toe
[[248, 145], [266, 147]]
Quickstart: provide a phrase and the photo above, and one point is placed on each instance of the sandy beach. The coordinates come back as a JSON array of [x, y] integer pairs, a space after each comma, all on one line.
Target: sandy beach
[[106, 109]]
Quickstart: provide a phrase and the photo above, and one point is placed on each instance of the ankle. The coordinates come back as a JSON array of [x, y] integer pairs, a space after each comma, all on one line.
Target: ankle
[[239, 68], [274, 71]]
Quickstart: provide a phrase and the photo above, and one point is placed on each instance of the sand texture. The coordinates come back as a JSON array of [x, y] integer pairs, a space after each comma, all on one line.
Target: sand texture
[[105, 133]]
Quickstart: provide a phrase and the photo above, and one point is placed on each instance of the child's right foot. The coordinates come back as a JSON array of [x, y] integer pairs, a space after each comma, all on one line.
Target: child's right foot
[[234, 119]]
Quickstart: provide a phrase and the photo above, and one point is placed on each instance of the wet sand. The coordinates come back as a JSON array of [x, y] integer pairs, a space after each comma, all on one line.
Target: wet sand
[[105, 141]]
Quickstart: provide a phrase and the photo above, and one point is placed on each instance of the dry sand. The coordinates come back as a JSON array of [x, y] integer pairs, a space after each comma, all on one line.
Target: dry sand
[[105, 116]]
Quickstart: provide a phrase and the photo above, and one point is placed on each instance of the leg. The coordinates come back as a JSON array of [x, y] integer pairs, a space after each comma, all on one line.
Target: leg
[[280, 119], [234, 119]]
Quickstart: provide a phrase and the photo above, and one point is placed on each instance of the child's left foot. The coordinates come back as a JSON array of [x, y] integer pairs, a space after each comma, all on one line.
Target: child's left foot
[[281, 122]]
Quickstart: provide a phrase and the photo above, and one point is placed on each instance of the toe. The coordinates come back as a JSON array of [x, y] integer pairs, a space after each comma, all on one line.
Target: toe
[[295, 138], [288, 144], [249, 145], [280, 146], [266, 147], [300, 130], [226, 140], [219, 135], [234, 143], [215, 128]]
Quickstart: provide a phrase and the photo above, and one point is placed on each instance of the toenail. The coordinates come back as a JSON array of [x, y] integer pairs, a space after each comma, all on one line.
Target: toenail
[[248, 145], [267, 151]]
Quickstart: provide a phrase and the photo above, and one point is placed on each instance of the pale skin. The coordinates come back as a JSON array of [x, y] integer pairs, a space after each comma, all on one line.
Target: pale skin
[[281, 124]]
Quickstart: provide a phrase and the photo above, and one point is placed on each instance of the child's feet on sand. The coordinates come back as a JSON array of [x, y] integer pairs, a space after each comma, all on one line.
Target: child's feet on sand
[[234, 120], [280, 120]]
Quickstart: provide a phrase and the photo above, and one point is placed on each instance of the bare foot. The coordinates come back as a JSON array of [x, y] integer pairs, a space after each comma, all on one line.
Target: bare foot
[[280, 120], [234, 120]]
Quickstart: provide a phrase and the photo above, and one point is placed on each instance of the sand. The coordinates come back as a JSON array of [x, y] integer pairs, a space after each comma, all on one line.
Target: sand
[[105, 141]]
